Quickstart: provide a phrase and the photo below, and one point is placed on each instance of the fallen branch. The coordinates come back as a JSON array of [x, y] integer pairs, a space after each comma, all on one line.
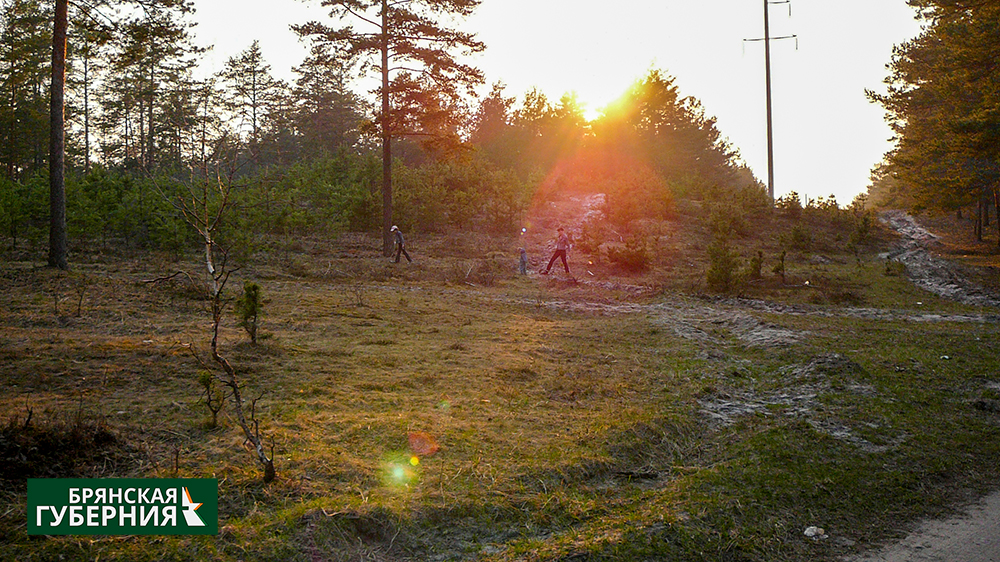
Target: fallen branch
[[169, 277]]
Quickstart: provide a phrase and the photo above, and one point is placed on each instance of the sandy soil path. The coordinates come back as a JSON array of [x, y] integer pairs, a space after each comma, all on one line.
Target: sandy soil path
[[973, 536], [928, 271]]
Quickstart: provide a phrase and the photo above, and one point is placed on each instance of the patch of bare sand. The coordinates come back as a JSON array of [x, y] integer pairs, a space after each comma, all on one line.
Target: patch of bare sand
[[799, 398], [972, 536]]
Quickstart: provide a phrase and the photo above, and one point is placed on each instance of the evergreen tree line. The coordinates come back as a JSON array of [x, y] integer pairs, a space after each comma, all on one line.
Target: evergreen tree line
[[943, 103], [304, 156]]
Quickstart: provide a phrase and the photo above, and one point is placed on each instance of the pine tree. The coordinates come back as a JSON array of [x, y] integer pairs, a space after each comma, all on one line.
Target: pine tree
[[150, 68], [58, 248], [414, 56], [327, 115], [943, 104], [493, 128], [254, 95], [670, 131], [25, 58]]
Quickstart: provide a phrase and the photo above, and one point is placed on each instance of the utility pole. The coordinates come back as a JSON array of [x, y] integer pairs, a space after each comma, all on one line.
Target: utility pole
[[767, 86]]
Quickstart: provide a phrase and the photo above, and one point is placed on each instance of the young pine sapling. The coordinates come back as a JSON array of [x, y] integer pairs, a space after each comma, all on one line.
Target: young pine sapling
[[249, 308]]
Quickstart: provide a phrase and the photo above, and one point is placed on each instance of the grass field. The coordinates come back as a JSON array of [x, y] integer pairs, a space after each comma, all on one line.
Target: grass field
[[606, 418]]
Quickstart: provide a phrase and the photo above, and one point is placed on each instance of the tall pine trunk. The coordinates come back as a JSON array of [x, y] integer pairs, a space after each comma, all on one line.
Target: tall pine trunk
[[86, 111], [977, 227], [57, 142], [996, 205], [386, 138]]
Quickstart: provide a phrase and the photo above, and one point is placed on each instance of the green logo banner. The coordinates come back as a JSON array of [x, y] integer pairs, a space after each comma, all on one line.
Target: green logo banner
[[123, 506]]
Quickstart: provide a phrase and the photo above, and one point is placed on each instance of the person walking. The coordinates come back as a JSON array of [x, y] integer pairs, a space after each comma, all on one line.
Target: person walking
[[563, 244], [400, 244]]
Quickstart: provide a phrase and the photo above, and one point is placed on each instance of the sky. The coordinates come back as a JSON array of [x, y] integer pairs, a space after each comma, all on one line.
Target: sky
[[827, 135]]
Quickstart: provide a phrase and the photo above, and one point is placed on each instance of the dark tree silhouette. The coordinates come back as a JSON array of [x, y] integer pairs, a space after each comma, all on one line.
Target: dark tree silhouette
[[413, 54], [57, 141]]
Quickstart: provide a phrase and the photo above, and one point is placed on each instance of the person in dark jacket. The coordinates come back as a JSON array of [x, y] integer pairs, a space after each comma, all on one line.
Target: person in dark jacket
[[562, 246], [400, 248]]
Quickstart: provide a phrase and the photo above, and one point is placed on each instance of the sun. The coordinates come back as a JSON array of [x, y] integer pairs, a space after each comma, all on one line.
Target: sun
[[595, 100]]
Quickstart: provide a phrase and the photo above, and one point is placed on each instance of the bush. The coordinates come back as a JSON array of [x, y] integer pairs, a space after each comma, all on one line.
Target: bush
[[23, 210], [799, 238], [823, 206], [756, 263], [789, 205], [895, 268], [460, 194], [728, 219], [779, 268], [633, 195], [632, 257], [863, 221], [249, 308], [114, 209], [724, 266], [334, 191], [594, 232]]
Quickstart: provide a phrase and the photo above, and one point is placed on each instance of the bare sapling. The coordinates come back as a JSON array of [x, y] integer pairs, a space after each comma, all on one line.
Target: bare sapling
[[204, 207], [214, 397], [251, 428]]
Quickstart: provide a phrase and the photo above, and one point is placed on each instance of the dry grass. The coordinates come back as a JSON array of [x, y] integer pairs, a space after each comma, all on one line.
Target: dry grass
[[574, 417]]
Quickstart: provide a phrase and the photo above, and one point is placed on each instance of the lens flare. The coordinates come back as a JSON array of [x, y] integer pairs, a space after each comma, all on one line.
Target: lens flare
[[399, 472]]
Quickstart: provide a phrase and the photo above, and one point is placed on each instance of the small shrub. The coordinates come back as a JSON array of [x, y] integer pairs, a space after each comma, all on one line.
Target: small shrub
[[632, 257], [250, 307], [823, 206], [895, 268], [593, 233], [846, 296], [214, 398], [633, 195], [357, 291], [863, 221], [728, 219], [799, 238], [789, 205], [724, 265], [779, 268], [755, 265]]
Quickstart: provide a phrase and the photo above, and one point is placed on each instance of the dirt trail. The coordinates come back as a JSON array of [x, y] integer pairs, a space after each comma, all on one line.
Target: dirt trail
[[927, 271]]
